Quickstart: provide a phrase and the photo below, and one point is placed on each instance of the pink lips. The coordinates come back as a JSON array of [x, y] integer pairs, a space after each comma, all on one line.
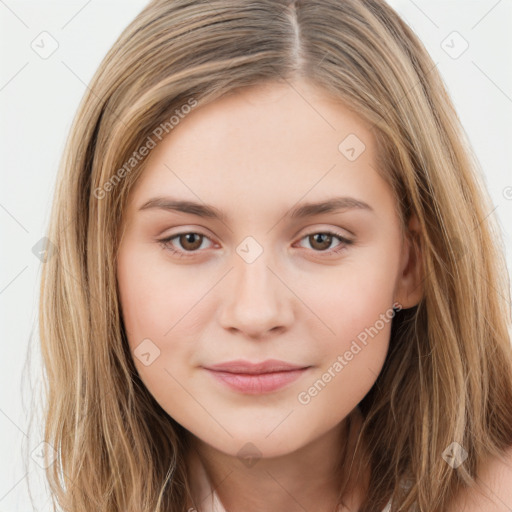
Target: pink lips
[[256, 378]]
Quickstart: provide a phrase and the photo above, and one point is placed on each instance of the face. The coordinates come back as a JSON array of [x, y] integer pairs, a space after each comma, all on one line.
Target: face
[[255, 272]]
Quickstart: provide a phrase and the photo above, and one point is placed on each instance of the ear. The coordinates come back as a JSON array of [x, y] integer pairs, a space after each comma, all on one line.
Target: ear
[[409, 285]]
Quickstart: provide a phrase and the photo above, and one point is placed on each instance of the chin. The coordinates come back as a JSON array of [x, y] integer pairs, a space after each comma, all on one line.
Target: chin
[[256, 445]]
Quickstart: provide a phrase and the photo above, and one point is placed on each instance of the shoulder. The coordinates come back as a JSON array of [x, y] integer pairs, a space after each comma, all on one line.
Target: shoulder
[[493, 489]]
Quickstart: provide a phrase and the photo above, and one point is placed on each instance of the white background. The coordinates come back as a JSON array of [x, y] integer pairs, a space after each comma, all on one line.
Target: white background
[[38, 99]]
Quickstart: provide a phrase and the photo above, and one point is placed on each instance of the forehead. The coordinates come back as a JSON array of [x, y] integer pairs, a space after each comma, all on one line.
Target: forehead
[[268, 122], [273, 143]]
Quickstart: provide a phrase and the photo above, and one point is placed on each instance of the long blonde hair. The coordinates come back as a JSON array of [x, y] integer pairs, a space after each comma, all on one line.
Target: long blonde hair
[[448, 374]]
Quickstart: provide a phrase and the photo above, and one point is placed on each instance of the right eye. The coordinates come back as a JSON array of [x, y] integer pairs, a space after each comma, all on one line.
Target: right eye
[[190, 242]]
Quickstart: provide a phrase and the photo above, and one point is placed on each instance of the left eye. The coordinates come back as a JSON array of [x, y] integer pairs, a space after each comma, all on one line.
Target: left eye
[[324, 239], [191, 242]]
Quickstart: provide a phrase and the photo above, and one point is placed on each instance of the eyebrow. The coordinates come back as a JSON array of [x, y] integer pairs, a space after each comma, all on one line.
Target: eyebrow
[[302, 211]]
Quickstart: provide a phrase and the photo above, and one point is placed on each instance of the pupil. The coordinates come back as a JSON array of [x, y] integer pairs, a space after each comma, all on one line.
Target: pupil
[[189, 242], [323, 240]]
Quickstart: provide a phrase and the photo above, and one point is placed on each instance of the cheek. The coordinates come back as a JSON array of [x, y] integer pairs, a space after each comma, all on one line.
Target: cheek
[[161, 306], [156, 298], [350, 360], [351, 297], [354, 304]]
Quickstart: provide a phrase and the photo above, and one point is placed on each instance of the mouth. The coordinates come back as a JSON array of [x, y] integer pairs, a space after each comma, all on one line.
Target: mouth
[[256, 378]]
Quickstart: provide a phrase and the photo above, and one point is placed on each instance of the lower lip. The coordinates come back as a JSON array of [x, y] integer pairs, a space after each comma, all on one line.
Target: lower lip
[[258, 384]]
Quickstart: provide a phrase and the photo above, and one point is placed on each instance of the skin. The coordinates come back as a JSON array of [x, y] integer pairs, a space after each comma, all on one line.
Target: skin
[[492, 491], [255, 154]]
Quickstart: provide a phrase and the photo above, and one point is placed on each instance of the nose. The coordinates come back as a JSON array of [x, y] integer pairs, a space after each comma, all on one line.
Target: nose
[[256, 299]]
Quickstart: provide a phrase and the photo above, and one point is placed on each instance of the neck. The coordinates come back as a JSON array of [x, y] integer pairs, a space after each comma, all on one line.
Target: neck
[[310, 478]]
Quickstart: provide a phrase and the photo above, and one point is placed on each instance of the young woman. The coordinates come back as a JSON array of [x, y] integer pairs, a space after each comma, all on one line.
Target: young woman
[[276, 283]]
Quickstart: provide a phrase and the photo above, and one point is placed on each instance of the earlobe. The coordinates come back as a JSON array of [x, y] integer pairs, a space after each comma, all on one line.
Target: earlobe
[[409, 288]]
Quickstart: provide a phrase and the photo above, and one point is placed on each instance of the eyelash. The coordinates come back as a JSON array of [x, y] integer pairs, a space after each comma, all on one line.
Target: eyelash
[[165, 243]]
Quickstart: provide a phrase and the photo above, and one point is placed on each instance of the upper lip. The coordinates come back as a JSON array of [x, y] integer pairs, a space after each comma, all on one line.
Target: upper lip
[[268, 366]]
